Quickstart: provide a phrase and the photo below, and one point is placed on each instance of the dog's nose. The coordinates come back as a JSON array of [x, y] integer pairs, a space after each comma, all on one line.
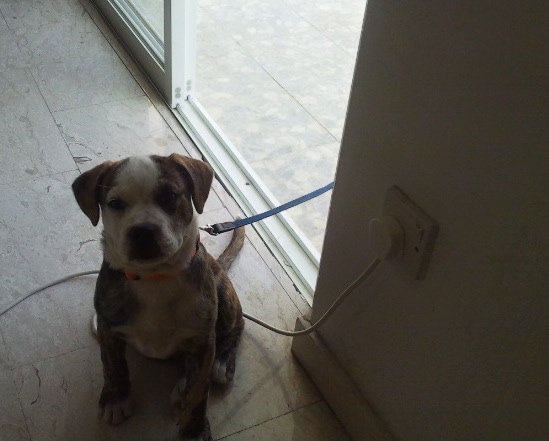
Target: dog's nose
[[143, 234], [143, 241]]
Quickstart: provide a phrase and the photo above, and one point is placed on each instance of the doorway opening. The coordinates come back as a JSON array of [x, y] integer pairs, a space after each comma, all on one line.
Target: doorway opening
[[262, 89]]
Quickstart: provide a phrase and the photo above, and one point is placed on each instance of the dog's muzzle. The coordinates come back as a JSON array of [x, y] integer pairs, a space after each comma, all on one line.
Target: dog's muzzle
[[143, 241]]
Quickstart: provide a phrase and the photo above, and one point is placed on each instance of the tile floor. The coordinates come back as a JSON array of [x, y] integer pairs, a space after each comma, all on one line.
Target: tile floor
[[69, 99]]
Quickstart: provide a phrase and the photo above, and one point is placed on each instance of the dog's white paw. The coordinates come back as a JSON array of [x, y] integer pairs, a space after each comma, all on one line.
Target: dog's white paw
[[220, 374], [116, 413], [94, 324], [178, 392]]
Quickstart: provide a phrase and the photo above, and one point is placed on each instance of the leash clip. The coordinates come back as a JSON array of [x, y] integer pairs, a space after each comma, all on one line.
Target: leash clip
[[209, 229], [217, 229]]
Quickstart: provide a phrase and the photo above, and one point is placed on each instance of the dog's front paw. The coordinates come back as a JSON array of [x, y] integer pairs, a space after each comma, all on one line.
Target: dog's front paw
[[178, 392], [116, 413], [113, 409], [223, 371]]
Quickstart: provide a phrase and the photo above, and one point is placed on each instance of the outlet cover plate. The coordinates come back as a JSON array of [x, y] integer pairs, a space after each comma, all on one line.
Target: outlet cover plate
[[420, 232]]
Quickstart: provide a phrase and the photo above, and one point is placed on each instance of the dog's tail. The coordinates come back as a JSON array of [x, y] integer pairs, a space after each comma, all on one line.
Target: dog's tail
[[228, 256]]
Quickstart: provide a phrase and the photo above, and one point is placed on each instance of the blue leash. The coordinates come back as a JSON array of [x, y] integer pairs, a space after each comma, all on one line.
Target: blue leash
[[223, 227]]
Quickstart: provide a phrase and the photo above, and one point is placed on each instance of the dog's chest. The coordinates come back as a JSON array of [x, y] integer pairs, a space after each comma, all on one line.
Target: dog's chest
[[171, 317]]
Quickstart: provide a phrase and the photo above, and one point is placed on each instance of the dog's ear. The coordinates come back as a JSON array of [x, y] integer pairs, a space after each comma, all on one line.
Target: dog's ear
[[86, 190], [200, 174]]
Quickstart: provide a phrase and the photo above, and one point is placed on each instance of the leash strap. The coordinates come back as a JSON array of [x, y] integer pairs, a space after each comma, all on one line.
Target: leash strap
[[223, 227]]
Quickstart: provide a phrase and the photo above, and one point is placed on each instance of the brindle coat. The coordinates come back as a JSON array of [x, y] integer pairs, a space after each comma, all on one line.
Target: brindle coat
[[191, 313]]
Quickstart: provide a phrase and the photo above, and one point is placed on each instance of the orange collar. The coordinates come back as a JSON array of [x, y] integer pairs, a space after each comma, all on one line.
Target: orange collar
[[159, 276], [153, 276]]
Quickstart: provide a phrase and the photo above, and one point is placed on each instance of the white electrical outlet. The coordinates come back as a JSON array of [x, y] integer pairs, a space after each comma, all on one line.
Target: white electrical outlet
[[420, 232]]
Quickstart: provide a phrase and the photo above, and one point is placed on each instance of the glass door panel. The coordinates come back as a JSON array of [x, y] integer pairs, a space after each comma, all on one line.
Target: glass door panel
[[151, 13], [268, 105], [275, 78]]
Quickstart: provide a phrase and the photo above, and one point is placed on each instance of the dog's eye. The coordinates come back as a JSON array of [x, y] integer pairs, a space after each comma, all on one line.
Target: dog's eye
[[116, 204], [169, 197], [167, 200]]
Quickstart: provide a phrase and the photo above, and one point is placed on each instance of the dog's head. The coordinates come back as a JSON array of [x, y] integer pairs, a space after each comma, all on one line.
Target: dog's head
[[148, 206]]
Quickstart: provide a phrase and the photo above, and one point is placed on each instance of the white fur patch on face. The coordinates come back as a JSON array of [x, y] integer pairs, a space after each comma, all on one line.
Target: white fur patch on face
[[139, 177]]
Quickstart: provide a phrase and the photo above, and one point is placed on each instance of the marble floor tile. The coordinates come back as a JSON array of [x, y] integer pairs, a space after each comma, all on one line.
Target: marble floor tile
[[320, 88], [111, 37], [52, 322], [113, 131], [291, 44], [5, 359], [259, 116], [65, 85], [249, 19], [339, 20], [31, 143], [67, 53], [10, 55], [44, 236], [15, 273], [312, 423], [59, 396], [311, 168], [12, 422], [44, 226]]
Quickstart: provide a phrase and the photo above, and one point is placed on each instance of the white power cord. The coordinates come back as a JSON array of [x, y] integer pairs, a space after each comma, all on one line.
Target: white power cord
[[386, 238], [365, 274], [42, 288]]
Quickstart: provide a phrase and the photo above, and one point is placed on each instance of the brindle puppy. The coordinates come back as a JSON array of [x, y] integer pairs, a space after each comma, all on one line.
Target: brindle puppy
[[158, 288]]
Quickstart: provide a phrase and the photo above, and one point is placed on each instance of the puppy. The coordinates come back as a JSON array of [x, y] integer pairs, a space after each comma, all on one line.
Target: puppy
[[158, 289]]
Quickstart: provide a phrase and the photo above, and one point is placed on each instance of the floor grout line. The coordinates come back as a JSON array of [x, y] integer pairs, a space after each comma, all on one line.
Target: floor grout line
[[272, 419], [34, 178], [52, 357]]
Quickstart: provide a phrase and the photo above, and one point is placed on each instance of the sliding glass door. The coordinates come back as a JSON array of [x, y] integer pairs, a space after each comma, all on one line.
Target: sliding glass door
[[275, 76], [161, 34]]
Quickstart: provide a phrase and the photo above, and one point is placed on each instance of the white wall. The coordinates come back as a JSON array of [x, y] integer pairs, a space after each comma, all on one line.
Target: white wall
[[450, 102]]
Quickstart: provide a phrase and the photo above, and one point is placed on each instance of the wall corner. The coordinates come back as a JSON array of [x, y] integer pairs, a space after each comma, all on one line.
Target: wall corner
[[337, 388]]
